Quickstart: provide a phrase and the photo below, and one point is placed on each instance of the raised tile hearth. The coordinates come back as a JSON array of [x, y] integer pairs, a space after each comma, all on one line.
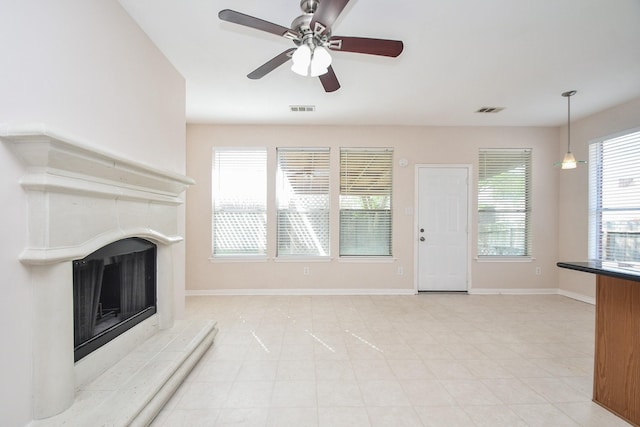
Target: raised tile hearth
[[134, 390]]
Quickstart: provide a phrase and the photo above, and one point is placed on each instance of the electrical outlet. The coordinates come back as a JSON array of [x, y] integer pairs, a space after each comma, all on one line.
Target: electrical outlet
[[538, 271], [400, 271], [305, 271]]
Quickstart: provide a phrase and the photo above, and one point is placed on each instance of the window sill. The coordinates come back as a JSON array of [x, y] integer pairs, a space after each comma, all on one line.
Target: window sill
[[250, 258], [222, 259], [367, 259], [505, 259], [302, 259]]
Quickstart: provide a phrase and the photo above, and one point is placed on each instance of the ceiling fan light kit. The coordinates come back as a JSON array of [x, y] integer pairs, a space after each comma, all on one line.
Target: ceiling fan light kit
[[311, 33], [310, 62]]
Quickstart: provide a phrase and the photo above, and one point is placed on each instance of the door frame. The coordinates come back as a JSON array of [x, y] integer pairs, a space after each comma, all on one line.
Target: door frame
[[416, 204]]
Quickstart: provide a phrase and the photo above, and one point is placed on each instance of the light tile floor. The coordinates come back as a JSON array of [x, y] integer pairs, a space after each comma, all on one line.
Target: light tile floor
[[440, 360]]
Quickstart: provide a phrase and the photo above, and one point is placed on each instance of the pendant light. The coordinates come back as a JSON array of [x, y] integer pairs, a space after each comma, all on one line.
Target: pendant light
[[569, 161]]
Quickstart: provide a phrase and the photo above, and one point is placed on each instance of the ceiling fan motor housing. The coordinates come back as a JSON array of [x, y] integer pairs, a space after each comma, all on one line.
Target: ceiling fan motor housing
[[318, 36], [301, 24], [309, 6]]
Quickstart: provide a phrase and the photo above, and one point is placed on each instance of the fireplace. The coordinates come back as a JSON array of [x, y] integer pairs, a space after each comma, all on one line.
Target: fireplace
[[87, 207], [114, 289]]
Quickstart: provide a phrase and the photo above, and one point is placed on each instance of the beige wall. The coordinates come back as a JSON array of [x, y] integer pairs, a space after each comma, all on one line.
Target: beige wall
[[420, 145], [84, 69], [574, 186]]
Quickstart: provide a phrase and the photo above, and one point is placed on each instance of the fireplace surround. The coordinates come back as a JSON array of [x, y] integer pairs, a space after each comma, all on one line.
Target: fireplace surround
[[80, 199]]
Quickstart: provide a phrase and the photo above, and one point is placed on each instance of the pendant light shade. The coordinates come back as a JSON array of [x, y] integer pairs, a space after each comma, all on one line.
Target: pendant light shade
[[569, 161]]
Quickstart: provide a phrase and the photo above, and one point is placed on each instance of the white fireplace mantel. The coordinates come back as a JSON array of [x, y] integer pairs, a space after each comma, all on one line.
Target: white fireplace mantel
[[80, 198]]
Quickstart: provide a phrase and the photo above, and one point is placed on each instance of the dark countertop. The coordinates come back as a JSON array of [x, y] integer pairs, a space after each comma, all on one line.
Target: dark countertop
[[620, 270]]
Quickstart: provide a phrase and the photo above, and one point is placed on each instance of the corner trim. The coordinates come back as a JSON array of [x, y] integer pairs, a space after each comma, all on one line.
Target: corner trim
[[578, 297]]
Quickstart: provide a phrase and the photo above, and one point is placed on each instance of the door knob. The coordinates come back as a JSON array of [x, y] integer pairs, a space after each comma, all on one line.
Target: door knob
[[422, 239]]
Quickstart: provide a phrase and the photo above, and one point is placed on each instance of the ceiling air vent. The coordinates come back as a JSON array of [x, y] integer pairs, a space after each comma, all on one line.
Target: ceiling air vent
[[302, 108], [490, 110]]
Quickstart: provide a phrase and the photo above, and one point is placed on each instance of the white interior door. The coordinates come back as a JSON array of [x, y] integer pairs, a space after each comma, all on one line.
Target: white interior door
[[443, 232]]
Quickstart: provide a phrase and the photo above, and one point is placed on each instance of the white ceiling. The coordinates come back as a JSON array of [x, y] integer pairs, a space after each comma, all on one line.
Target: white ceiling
[[459, 55]]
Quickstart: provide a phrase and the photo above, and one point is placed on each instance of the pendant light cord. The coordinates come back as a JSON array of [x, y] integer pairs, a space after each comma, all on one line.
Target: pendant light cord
[[568, 95], [569, 124]]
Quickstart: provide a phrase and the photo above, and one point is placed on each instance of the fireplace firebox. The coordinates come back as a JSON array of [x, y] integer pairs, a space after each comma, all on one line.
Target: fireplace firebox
[[114, 289]]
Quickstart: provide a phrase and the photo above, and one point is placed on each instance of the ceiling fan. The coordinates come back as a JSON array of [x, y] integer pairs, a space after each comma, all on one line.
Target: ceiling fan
[[311, 33]]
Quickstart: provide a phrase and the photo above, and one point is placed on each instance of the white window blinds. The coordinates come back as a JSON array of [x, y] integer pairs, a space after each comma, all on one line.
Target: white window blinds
[[239, 192], [614, 199], [504, 202], [303, 201], [365, 202]]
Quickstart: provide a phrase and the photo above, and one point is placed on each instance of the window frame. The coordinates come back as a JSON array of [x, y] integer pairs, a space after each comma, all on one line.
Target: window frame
[[602, 196], [519, 205], [262, 242], [321, 167], [347, 196]]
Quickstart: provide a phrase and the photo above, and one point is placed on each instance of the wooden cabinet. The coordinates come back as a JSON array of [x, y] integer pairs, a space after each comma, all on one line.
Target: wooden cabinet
[[616, 375], [616, 379]]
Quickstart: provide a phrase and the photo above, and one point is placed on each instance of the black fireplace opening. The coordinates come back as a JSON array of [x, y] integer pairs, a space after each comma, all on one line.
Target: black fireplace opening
[[114, 289]]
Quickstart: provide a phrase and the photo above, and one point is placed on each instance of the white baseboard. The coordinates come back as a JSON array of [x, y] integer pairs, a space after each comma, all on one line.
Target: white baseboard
[[544, 291], [328, 292], [535, 291], [219, 292]]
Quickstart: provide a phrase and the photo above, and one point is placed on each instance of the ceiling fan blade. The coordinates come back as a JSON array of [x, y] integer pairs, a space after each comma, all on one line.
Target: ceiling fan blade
[[330, 81], [369, 46], [271, 65], [327, 12], [250, 21]]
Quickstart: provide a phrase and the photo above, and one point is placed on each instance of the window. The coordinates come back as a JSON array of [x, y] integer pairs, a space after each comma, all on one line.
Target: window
[[303, 201], [239, 187], [365, 202], [504, 203], [614, 199]]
